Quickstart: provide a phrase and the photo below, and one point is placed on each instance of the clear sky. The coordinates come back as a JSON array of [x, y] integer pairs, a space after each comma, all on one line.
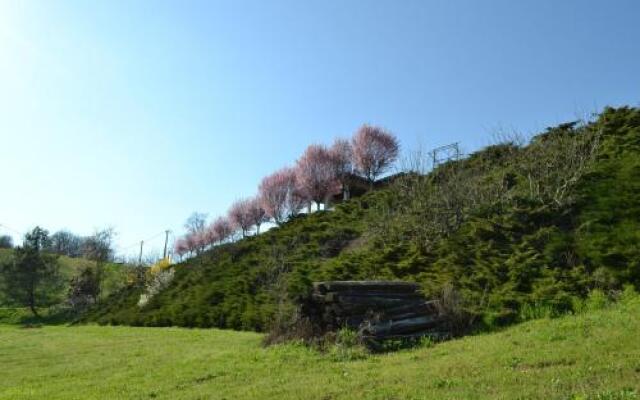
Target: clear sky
[[133, 114]]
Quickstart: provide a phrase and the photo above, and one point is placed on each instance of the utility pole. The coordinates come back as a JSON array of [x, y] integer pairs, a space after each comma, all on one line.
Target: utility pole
[[166, 240], [140, 256]]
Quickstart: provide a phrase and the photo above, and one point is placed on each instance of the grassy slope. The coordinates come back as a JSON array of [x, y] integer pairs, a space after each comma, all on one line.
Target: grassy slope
[[235, 285], [500, 258], [594, 355]]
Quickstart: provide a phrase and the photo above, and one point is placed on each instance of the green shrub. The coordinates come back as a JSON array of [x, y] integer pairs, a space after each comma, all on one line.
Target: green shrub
[[538, 310], [596, 300], [348, 346], [426, 342], [629, 295]]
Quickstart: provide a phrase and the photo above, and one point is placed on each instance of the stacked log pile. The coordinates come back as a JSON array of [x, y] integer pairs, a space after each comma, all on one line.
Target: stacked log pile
[[379, 310]]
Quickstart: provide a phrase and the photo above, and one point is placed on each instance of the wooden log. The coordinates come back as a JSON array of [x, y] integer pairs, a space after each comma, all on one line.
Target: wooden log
[[377, 301], [380, 309], [379, 316], [355, 321], [351, 322], [370, 292], [380, 304], [357, 309], [330, 296], [318, 298], [414, 335], [370, 310], [367, 310], [408, 325], [340, 286], [411, 314], [425, 305]]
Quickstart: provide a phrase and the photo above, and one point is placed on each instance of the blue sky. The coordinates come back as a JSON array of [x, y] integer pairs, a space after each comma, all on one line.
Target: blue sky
[[134, 114]]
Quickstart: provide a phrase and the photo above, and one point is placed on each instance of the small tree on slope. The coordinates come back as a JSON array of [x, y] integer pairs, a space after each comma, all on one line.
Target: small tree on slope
[[32, 277]]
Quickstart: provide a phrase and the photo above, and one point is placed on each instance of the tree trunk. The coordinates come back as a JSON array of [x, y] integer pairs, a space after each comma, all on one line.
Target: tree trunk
[[33, 310], [32, 303]]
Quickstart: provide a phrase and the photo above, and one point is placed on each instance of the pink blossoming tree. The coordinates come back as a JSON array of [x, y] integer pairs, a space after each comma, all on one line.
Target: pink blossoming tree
[[180, 247], [316, 175], [342, 159], [222, 228], [240, 215], [374, 151], [279, 196], [257, 214]]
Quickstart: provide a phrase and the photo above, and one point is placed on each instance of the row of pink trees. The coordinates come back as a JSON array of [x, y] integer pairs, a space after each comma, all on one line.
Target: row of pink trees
[[320, 173], [197, 240]]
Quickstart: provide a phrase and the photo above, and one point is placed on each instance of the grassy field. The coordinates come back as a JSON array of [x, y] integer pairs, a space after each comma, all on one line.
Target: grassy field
[[593, 355]]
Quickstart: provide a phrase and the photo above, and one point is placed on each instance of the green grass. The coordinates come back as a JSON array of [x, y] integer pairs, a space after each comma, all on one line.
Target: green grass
[[595, 355]]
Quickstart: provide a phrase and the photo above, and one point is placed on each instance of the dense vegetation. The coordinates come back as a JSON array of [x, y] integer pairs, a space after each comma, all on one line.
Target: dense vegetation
[[513, 227], [593, 355], [51, 281]]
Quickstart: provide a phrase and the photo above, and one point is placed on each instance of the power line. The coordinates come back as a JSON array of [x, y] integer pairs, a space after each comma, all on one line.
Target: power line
[[137, 243]]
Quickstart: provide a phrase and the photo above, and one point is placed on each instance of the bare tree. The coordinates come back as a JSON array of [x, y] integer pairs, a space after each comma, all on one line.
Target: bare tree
[[99, 248], [427, 208], [66, 243], [196, 223], [555, 161]]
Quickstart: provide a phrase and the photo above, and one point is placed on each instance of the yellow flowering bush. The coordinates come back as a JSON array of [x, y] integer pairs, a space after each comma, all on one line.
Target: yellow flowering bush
[[160, 266]]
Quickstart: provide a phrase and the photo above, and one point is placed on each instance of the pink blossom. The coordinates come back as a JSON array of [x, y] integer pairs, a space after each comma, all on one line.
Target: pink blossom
[[374, 150], [257, 213], [223, 228], [210, 236], [279, 196], [180, 247], [316, 175], [342, 159], [192, 242], [240, 215]]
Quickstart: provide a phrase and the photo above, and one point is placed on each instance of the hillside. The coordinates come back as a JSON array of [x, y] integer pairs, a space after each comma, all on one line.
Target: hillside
[[115, 276], [511, 227], [589, 356]]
